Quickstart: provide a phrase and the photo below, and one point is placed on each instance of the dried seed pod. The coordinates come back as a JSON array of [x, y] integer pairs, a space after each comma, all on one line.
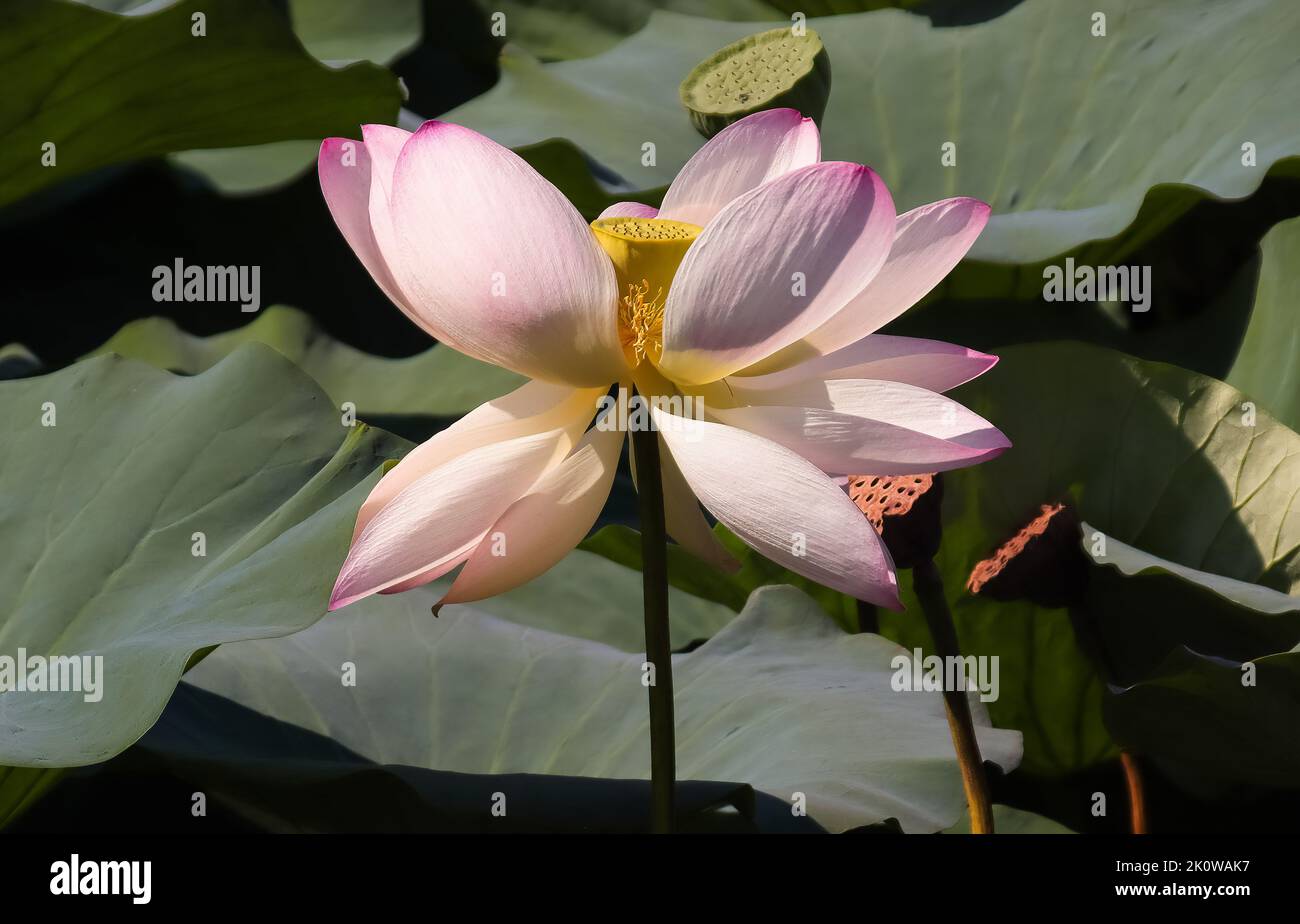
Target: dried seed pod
[[904, 509], [771, 70], [1043, 563]]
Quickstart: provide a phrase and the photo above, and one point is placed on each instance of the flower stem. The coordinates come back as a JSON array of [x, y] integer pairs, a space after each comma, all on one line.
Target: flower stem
[[868, 620], [1137, 804], [1093, 643], [928, 585], [654, 571]]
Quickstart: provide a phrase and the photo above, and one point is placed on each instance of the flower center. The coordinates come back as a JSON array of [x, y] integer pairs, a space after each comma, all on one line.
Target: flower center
[[646, 253], [641, 323]]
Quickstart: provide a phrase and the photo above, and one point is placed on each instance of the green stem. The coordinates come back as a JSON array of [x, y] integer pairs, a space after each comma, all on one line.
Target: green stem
[[654, 571], [928, 585]]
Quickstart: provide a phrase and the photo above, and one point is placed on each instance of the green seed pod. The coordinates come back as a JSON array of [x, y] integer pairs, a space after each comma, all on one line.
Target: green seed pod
[[770, 70]]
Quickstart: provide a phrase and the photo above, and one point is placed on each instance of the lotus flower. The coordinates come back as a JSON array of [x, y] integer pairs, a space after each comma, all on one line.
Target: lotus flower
[[754, 290]]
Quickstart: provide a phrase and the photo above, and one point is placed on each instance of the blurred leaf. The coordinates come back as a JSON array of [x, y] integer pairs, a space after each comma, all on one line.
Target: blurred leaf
[[1148, 607], [998, 90], [343, 30], [690, 574], [253, 169], [588, 596], [16, 361], [334, 31], [436, 383], [1202, 337], [780, 699], [99, 519], [23, 787], [1008, 820], [560, 29], [284, 778], [622, 544], [1268, 365], [566, 167], [115, 88], [1198, 716]]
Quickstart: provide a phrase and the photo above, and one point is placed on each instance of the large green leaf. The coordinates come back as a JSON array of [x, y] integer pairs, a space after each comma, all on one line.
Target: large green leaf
[[334, 31], [1175, 639], [342, 30], [1268, 365], [436, 383], [255, 770], [1146, 608], [107, 88], [561, 29], [781, 698], [1156, 457], [99, 514], [1065, 134], [1204, 723]]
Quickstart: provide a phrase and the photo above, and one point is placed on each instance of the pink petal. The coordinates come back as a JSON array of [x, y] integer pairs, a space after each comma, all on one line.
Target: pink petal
[[742, 156], [865, 427], [929, 241], [534, 407], [629, 210], [354, 175], [929, 364], [497, 260], [780, 504], [737, 297], [545, 524], [434, 523]]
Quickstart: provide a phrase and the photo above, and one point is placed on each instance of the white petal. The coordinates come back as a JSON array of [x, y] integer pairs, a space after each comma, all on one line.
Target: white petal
[[783, 506], [534, 407], [434, 523], [545, 524], [928, 364], [866, 427]]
